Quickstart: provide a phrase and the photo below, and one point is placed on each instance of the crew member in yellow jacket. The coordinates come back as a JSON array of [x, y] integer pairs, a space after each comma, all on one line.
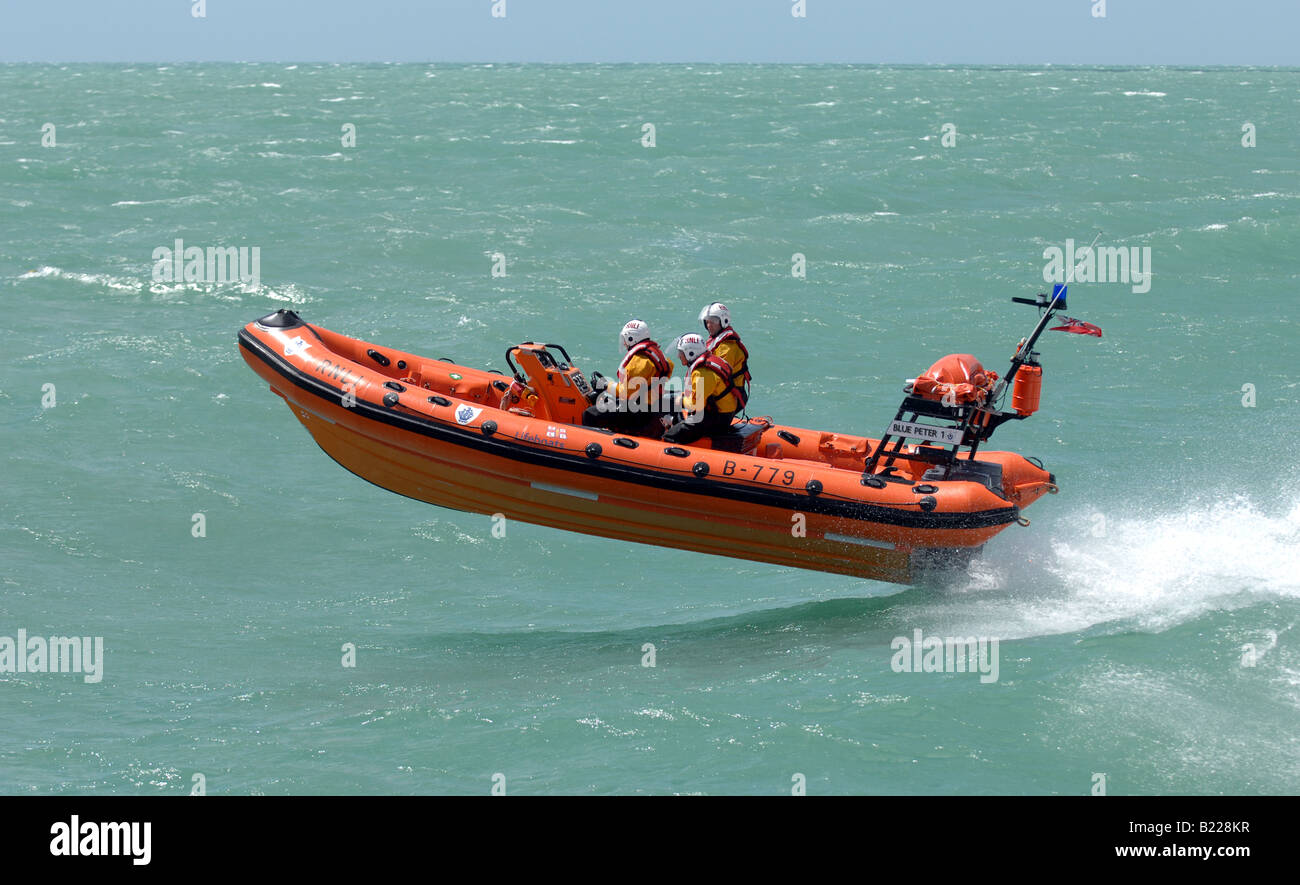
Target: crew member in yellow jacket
[[709, 401], [724, 340], [633, 402]]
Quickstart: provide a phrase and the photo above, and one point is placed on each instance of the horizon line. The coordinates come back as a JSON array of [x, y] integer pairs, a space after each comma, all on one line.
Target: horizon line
[[868, 64]]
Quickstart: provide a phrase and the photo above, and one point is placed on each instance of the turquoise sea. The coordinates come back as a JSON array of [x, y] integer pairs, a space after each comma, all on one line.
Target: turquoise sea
[[1146, 619]]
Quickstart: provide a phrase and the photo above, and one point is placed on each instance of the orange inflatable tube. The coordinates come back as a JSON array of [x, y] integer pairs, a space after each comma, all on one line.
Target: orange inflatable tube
[[482, 442]]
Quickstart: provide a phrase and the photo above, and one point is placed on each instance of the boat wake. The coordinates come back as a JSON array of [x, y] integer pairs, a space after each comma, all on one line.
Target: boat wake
[[1144, 571], [144, 286]]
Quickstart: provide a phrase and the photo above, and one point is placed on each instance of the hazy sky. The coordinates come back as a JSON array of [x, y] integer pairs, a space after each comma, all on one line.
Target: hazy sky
[[1174, 32]]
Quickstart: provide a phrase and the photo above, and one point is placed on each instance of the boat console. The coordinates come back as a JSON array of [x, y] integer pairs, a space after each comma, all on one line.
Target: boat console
[[552, 387]]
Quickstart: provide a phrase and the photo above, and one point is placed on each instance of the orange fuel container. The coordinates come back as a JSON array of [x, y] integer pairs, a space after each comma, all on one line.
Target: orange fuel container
[[1029, 384]]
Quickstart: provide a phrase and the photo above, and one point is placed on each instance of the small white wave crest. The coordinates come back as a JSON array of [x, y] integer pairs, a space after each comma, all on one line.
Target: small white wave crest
[[107, 281]]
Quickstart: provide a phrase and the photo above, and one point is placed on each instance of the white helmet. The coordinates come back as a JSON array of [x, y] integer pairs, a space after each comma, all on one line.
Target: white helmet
[[719, 312], [634, 331], [692, 346]]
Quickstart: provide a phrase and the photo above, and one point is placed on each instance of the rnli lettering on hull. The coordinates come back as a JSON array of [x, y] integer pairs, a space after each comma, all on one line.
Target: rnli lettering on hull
[[947, 435], [337, 372]]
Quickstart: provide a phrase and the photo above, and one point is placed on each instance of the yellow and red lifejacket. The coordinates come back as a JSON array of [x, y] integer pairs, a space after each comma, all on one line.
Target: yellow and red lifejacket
[[663, 368], [738, 376], [720, 367]]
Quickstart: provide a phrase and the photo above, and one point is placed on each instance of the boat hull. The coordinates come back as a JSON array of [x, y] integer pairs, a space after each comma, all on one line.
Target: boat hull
[[461, 453]]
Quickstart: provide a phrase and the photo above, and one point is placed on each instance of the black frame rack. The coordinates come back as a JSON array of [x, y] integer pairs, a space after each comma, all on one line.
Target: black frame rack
[[975, 423]]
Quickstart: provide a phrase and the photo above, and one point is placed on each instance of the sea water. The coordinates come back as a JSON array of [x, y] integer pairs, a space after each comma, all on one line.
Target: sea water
[[273, 624]]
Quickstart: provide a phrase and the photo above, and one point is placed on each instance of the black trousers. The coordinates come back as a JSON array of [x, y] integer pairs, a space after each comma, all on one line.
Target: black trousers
[[713, 424], [631, 423]]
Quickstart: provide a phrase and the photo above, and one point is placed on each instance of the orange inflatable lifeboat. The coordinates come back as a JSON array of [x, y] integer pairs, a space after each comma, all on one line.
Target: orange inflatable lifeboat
[[483, 442]]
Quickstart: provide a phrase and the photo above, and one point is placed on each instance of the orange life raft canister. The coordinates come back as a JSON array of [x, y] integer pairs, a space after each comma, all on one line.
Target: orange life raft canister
[[1029, 384]]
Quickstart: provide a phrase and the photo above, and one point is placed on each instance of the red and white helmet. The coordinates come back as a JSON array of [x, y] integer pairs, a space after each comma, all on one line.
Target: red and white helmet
[[634, 331], [691, 346], [718, 311]]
